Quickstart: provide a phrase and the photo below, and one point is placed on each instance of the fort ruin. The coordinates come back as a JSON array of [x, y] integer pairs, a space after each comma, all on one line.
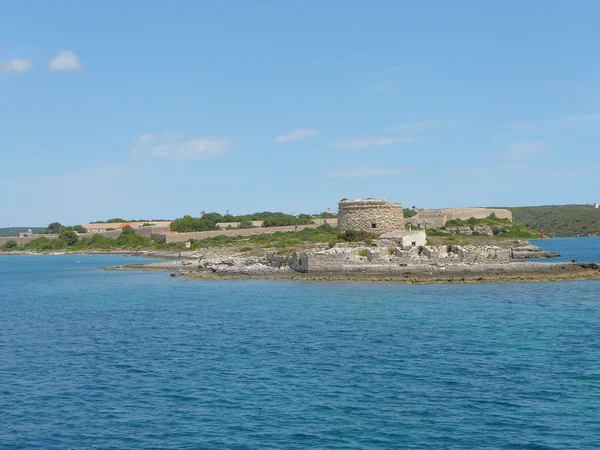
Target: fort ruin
[[373, 215]]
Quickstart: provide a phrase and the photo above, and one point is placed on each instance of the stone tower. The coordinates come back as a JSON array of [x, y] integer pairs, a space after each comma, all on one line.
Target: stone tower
[[373, 215]]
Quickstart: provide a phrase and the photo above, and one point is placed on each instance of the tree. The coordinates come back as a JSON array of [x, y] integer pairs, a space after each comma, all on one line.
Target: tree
[[128, 229], [212, 217], [189, 223], [69, 237], [53, 228], [245, 223], [10, 244], [79, 229], [305, 219]]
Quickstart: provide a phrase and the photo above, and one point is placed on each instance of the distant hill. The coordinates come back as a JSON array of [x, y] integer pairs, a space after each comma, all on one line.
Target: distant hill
[[560, 220], [14, 231]]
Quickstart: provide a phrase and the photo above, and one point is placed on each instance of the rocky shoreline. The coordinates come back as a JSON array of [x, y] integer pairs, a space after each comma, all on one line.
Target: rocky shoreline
[[469, 264], [516, 272], [223, 265]]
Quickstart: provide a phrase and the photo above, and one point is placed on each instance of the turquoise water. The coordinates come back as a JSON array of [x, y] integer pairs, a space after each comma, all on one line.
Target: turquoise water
[[584, 249], [99, 359]]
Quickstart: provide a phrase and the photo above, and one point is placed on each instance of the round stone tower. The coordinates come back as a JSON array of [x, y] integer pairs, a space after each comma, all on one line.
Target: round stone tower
[[373, 215]]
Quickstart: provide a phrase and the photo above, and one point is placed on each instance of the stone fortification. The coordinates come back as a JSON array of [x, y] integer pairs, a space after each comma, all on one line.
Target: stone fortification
[[259, 223], [373, 215], [437, 218], [24, 240], [197, 235]]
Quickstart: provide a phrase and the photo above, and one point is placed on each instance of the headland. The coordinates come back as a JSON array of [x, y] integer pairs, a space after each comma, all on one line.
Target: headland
[[368, 240]]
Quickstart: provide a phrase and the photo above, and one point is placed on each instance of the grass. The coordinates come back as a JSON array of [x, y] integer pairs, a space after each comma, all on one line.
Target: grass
[[281, 242]]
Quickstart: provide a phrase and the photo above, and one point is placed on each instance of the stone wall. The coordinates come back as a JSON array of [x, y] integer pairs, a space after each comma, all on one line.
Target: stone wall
[[259, 223], [182, 237], [24, 240], [373, 215], [437, 218], [477, 213]]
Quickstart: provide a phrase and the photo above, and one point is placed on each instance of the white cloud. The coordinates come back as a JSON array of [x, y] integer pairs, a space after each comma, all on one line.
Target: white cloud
[[179, 146], [366, 172], [296, 135], [565, 122], [581, 119], [15, 66], [65, 61], [520, 150], [372, 141], [410, 127]]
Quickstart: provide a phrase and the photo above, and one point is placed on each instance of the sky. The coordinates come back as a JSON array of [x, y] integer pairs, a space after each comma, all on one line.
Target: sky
[[154, 110]]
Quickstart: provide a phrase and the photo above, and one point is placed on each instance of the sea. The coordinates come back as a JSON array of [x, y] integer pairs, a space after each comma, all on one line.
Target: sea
[[118, 360]]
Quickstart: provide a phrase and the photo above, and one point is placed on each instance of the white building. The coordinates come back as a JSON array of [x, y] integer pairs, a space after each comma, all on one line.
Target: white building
[[406, 239]]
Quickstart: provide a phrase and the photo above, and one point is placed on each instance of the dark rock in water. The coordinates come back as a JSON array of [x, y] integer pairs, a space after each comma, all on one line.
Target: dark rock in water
[[531, 251], [173, 275], [534, 254]]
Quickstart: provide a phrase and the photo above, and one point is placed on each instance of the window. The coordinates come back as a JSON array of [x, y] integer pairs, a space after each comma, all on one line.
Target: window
[[373, 225]]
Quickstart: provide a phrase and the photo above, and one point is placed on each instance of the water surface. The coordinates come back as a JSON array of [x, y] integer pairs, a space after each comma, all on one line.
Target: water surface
[[99, 359]]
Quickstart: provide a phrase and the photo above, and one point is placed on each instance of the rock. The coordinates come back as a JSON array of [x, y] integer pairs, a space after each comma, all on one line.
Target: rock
[[531, 251], [460, 230], [483, 229]]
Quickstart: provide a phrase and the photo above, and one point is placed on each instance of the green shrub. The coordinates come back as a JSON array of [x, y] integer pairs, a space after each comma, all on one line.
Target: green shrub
[[68, 237], [246, 223], [356, 236], [9, 245], [436, 232], [326, 227], [185, 224]]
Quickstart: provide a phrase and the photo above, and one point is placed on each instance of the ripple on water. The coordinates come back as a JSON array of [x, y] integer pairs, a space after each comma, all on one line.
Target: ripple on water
[[140, 360]]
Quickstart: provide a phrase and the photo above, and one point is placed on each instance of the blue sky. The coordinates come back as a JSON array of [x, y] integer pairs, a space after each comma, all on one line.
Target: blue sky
[[158, 109]]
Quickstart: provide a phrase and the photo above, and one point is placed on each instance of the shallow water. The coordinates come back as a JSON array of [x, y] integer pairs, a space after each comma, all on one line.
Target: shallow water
[[583, 249], [99, 359]]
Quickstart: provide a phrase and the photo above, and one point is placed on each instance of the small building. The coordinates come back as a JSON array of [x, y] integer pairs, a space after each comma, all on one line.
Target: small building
[[596, 205], [26, 234], [406, 239]]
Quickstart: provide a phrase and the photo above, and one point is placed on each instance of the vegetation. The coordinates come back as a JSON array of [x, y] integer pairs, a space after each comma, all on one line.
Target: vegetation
[[409, 212], [119, 220], [356, 236], [280, 242], [68, 237], [326, 215], [53, 228], [14, 231], [68, 240], [9, 245], [500, 227], [560, 220], [280, 220], [189, 223]]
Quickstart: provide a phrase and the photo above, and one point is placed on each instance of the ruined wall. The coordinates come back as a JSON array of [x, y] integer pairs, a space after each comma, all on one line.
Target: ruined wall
[[373, 215], [437, 218], [149, 231], [24, 240], [259, 223], [182, 237], [432, 218], [477, 213]]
